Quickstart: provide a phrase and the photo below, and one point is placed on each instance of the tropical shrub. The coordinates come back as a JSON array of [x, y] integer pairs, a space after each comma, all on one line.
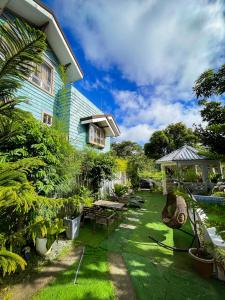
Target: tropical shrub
[[95, 168], [120, 190]]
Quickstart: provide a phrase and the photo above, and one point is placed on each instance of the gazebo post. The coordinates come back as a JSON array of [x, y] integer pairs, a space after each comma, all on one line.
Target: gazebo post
[[163, 179], [220, 169], [205, 174]]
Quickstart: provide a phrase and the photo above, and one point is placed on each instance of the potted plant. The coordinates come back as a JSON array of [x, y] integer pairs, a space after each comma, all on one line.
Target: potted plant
[[72, 211], [202, 261], [219, 256], [201, 254], [44, 233]]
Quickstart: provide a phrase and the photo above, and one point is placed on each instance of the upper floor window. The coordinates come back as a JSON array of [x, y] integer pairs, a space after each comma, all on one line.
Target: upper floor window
[[47, 119], [43, 77], [96, 136]]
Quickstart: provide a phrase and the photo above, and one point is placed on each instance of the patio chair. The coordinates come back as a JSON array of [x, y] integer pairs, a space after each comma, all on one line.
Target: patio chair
[[174, 215], [89, 212], [104, 218]]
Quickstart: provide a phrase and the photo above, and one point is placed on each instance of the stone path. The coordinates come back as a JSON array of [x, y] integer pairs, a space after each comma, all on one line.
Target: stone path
[[120, 278], [24, 291]]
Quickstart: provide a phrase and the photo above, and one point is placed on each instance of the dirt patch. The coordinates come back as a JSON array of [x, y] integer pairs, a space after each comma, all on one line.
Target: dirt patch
[[25, 291], [120, 278]]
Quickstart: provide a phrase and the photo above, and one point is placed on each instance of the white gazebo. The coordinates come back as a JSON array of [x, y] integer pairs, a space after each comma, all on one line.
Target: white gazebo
[[187, 156]]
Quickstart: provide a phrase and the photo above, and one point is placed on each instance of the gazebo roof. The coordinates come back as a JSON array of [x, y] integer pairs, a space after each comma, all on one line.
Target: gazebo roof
[[185, 153]]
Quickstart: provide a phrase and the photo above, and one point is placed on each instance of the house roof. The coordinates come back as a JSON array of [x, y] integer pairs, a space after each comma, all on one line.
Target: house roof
[[185, 153], [38, 14], [105, 121]]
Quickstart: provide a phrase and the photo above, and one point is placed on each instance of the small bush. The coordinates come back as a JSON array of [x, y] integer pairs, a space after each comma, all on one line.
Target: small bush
[[120, 190]]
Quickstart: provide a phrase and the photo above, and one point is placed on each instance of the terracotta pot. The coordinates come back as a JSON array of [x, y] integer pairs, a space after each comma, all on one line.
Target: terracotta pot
[[203, 266]]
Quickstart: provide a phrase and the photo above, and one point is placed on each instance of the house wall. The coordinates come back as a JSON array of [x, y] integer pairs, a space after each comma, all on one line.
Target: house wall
[[68, 105], [40, 101], [81, 107]]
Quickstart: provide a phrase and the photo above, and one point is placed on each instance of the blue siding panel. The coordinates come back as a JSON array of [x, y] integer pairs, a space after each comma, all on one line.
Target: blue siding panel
[[81, 107], [69, 107]]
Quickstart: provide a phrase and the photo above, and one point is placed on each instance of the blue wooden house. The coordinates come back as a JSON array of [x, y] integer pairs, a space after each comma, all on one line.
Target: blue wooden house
[[84, 123]]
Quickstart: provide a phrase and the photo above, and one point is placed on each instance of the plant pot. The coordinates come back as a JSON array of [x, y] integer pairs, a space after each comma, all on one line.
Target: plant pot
[[72, 227], [220, 272], [202, 265], [41, 246]]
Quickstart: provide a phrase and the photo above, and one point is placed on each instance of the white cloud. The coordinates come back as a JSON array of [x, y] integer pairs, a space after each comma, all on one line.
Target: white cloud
[[88, 85], [151, 114], [154, 110], [139, 133], [162, 46], [148, 40]]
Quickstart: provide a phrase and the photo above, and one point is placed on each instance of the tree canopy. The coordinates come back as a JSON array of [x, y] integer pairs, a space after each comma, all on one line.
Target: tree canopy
[[126, 149], [212, 83], [171, 138]]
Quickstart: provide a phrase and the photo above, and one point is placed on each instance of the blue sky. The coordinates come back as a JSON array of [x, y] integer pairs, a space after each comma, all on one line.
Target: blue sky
[[140, 58]]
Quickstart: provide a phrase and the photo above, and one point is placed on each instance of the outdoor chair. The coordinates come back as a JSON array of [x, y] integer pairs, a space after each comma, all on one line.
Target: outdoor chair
[[105, 218], [174, 215], [89, 212]]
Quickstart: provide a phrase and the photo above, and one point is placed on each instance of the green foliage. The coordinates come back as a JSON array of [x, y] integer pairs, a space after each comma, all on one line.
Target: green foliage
[[121, 164], [158, 145], [213, 135], [9, 262], [126, 149], [96, 167], [209, 84], [136, 164], [150, 170], [21, 50], [120, 190], [38, 140], [189, 175], [171, 138]]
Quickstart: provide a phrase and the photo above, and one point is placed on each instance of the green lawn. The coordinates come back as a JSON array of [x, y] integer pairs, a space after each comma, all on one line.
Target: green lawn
[[92, 283], [156, 273]]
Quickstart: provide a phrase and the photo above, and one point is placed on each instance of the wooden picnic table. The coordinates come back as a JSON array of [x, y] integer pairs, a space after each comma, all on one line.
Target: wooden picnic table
[[109, 204]]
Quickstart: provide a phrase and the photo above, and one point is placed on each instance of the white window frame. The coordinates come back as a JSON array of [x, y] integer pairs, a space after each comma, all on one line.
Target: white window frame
[[96, 136], [49, 116], [41, 85]]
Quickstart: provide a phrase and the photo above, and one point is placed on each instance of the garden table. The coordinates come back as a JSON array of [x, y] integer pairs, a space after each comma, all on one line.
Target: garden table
[[109, 204]]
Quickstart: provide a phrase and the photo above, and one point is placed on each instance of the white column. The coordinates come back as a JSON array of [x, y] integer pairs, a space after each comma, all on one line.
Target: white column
[[221, 170], [205, 175], [163, 180]]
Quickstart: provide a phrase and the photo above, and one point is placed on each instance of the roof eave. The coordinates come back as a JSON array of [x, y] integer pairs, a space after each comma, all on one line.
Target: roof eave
[[36, 13]]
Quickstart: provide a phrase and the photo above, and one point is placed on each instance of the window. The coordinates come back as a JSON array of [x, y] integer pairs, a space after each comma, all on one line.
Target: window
[[96, 136], [43, 77], [47, 119]]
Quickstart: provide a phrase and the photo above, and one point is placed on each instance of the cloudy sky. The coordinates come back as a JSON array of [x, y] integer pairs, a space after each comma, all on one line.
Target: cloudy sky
[[141, 57]]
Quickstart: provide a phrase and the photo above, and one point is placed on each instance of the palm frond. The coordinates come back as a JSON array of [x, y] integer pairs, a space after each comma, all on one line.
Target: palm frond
[[21, 50], [9, 261]]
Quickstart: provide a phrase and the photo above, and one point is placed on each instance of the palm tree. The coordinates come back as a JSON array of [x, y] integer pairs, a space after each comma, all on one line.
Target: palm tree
[[21, 51]]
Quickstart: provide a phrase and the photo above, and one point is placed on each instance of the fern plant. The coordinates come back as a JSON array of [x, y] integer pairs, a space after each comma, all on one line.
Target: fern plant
[[9, 261]]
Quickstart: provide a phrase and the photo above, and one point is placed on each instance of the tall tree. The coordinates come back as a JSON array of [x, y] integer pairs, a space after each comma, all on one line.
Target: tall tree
[[126, 149], [21, 50], [212, 83], [158, 145], [171, 138]]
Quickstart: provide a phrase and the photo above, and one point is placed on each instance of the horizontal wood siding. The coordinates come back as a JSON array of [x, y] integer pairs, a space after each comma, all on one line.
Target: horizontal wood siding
[[67, 107], [81, 107], [40, 101]]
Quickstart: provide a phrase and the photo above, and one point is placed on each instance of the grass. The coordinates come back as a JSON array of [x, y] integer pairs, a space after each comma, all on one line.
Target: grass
[[216, 216], [93, 280], [156, 273]]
